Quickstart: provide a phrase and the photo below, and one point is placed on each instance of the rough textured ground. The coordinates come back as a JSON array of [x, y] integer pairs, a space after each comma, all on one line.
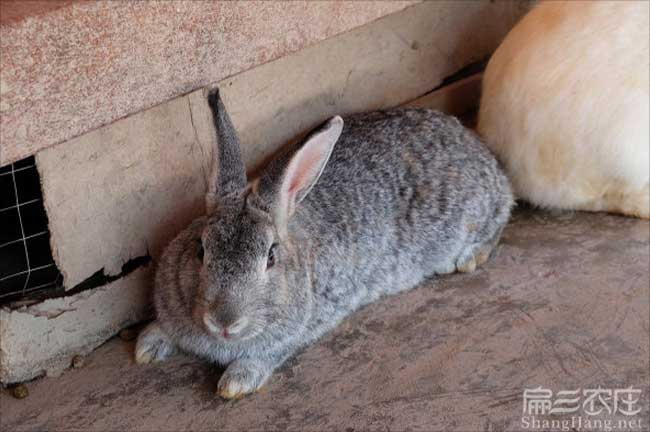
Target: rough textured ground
[[564, 304]]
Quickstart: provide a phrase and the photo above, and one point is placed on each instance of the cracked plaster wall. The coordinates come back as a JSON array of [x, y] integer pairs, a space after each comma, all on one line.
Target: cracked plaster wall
[[43, 338]]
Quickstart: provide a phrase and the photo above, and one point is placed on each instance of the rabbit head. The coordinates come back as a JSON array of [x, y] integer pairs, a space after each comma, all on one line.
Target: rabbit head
[[251, 275]]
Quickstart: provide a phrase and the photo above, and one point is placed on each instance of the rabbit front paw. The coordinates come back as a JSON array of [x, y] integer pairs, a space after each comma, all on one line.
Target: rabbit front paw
[[153, 345], [242, 377]]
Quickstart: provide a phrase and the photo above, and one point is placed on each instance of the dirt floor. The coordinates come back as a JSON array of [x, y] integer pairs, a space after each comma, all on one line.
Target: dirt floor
[[563, 305]]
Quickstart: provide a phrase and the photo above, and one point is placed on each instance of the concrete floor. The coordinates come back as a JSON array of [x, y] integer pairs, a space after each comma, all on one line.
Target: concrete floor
[[564, 304]]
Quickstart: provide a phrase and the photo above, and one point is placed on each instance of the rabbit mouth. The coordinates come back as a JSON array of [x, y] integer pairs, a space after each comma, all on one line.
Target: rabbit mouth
[[234, 338], [240, 330]]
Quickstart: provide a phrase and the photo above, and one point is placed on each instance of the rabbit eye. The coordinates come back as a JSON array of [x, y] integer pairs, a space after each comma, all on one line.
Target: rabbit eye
[[200, 252], [270, 262]]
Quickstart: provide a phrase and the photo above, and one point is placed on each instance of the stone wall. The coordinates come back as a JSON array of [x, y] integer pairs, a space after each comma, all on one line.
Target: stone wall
[[71, 67]]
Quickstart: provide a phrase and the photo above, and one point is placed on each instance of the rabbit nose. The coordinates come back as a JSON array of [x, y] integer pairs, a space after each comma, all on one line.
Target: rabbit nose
[[224, 329]]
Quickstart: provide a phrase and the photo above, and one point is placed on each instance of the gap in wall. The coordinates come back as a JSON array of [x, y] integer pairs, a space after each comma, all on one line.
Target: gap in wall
[[27, 268]]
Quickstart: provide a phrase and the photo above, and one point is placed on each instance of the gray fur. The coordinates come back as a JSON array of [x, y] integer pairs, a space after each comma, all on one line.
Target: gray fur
[[406, 194], [229, 174]]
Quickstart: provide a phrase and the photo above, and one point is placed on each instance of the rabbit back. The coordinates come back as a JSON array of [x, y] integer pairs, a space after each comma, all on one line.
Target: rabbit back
[[405, 192]]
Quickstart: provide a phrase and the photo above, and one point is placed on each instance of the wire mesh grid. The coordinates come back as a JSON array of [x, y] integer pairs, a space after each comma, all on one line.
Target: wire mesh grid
[[26, 264]]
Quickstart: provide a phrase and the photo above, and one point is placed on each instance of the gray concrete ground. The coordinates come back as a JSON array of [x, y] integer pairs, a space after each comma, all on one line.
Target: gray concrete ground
[[563, 305]]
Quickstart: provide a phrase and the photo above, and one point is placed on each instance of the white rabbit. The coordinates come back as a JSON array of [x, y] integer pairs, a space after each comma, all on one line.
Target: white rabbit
[[565, 106]]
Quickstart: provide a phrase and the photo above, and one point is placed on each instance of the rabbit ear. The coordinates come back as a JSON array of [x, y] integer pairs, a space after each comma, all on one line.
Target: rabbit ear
[[228, 170], [290, 178]]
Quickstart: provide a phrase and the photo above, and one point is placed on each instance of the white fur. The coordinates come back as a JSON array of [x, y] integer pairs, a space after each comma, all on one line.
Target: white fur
[[565, 106]]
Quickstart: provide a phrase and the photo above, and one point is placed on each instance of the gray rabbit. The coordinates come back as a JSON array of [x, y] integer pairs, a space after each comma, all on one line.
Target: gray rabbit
[[279, 261]]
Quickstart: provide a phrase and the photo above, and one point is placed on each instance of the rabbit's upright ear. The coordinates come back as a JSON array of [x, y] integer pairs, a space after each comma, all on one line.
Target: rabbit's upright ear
[[290, 178], [228, 176]]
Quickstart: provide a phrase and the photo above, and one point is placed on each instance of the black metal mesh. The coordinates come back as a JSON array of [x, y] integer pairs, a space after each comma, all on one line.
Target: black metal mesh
[[27, 268]]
